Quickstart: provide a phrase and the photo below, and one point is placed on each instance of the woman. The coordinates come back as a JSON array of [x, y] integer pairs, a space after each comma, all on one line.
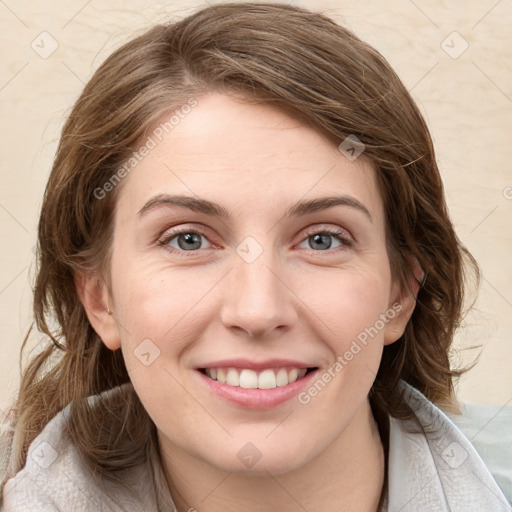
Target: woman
[[246, 247]]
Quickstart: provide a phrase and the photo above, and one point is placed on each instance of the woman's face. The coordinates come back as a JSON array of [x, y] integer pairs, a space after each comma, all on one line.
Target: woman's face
[[264, 284]]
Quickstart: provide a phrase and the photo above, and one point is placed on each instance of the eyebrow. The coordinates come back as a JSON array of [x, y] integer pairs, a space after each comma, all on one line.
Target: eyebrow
[[300, 208]]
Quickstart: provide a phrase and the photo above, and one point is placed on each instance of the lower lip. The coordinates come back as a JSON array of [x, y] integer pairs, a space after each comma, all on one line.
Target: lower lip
[[257, 398]]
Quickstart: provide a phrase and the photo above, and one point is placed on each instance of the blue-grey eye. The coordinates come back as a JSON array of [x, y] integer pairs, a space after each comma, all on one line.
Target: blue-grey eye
[[186, 241], [323, 241]]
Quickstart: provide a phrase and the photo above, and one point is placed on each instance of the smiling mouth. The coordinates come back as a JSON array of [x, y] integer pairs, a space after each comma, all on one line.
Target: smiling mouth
[[250, 379]]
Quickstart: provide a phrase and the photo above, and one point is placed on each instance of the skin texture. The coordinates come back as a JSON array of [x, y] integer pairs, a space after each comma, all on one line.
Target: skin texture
[[296, 300]]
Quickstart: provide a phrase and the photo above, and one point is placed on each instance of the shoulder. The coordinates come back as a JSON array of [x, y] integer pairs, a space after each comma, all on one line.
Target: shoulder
[[489, 428], [433, 466], [53, 474], [56, 479]]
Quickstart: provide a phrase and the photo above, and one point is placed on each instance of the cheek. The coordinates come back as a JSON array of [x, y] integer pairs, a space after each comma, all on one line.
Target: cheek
[[347, 300], [350, 310], [162, 304], [157, 327]]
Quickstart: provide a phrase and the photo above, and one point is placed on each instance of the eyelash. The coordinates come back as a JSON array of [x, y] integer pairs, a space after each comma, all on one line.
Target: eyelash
[[340, 234]]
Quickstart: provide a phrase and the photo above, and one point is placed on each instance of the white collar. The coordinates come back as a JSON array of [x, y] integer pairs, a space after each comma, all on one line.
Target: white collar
[[437, 469]]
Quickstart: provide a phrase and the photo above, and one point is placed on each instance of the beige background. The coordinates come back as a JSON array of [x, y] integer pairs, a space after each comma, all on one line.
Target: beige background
[[466, 99]]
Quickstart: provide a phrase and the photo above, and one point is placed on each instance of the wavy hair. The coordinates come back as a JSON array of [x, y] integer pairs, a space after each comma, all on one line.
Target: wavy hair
[[314, 69]]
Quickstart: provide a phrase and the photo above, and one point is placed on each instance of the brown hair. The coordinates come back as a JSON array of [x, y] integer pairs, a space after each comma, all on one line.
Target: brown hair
[[300, 61]]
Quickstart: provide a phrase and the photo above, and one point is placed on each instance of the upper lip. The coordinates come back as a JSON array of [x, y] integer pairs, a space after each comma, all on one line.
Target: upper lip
[[251, 364]]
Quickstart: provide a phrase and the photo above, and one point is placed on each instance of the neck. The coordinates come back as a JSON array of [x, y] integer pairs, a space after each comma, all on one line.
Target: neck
[[350, 473]]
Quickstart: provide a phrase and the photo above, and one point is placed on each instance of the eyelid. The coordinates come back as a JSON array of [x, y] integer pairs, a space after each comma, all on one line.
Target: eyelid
[[179, 229], [330, 229]]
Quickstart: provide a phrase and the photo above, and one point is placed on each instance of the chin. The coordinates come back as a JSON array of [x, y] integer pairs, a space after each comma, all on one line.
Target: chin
[[248, 459]]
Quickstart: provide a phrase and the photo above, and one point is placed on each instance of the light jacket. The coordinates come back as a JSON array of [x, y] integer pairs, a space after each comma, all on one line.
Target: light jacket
[[433, 471], [438, 470]]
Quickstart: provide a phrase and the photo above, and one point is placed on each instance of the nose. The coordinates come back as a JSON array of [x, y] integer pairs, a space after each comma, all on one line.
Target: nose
[[258, 301]]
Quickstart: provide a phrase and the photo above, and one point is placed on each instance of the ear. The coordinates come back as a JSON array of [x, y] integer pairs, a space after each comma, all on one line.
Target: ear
[[403, 302], [96, 299]]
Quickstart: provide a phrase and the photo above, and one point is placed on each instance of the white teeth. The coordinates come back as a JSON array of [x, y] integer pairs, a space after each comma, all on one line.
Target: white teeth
[[250, 379], [267, 379], [232, 378], [292, 375], [221, 375], [282, 377]]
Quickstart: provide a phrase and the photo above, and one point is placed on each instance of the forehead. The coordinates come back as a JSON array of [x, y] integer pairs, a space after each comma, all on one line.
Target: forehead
[[250, 156]]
